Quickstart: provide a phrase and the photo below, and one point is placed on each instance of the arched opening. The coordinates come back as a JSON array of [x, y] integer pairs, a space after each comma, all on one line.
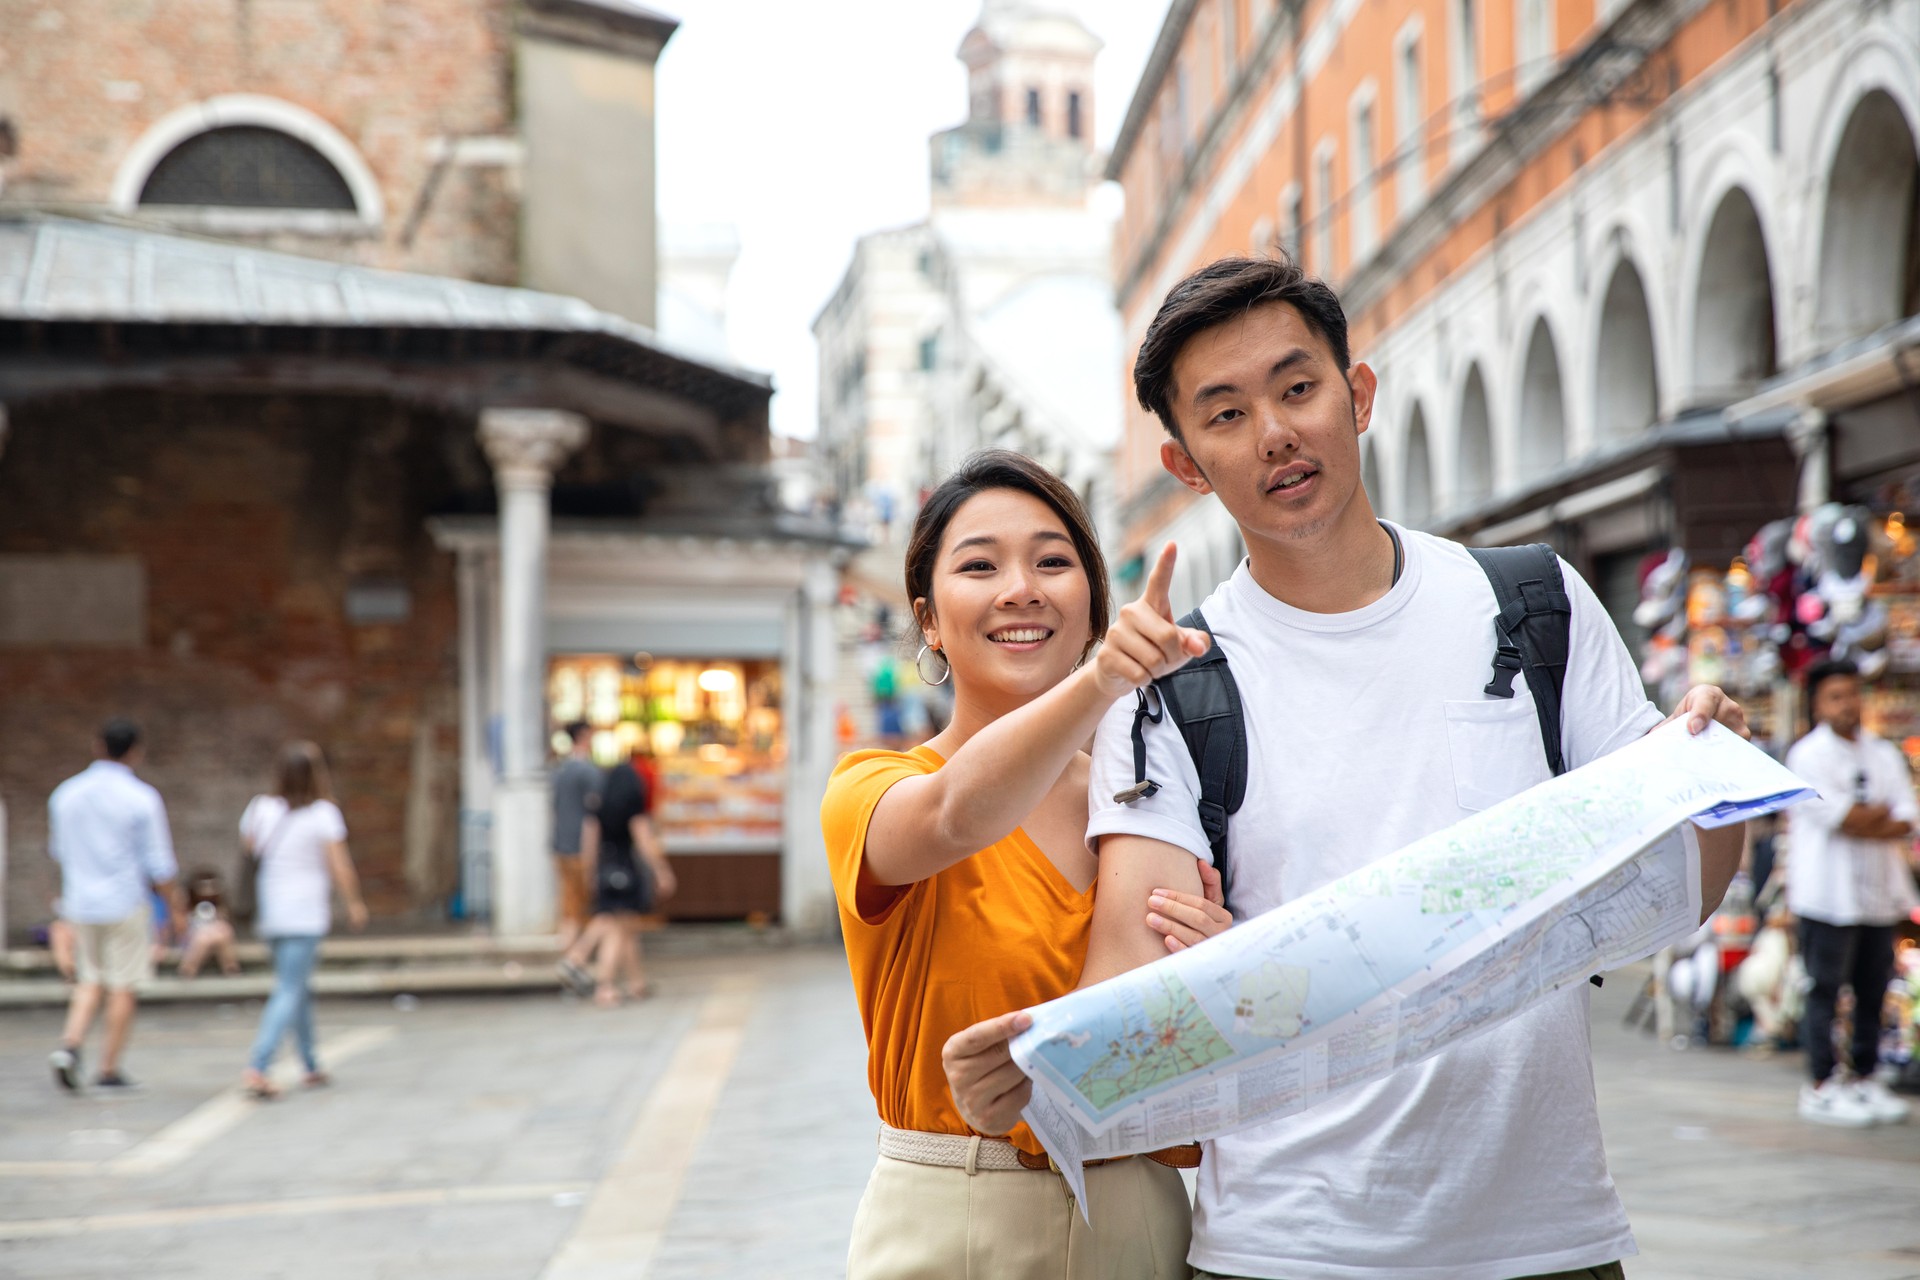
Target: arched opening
[[1542, 428], [1733, 334], [1418, 504], [248, 167], [1370, 476], [1473, 469], [1868, 274], [1626, 397]]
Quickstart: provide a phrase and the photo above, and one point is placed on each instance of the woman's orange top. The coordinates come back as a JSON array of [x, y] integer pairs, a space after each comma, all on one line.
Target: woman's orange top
[[998, 931]]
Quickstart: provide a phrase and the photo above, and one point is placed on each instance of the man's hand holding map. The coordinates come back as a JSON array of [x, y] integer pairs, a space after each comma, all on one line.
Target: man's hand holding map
[[1443, 939]]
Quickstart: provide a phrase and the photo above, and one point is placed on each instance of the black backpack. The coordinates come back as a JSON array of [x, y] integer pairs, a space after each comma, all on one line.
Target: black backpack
[[1532, 634]]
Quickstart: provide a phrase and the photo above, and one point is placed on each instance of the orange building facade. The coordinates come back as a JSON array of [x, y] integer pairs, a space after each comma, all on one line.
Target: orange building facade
[[1634, 274]]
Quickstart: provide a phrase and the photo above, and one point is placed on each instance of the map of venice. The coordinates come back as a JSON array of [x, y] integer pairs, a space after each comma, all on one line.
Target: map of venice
[[1164, 1035]]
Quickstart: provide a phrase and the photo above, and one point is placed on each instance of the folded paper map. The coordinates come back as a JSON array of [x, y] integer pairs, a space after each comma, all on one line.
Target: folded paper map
[[1446, 938]]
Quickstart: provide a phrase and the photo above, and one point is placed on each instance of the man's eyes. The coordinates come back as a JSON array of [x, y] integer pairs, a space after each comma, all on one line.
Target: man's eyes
[[1299, 389], [1226, 415]]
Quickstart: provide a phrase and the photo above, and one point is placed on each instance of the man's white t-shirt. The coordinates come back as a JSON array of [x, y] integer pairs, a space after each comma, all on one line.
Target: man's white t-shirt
[[294, 889], [1840, 879], [1366, 731]]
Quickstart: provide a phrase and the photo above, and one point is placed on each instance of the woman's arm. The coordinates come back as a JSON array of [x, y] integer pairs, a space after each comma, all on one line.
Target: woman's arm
[[647, 841], [923, 825], [340, 864]]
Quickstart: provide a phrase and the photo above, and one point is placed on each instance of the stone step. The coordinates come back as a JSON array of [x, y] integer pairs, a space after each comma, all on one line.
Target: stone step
[[384, 965]]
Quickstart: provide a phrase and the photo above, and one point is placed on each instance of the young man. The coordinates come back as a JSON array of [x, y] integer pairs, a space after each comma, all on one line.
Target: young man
[[576, 787], [1361, 652], [108, 831], [1849, 882]]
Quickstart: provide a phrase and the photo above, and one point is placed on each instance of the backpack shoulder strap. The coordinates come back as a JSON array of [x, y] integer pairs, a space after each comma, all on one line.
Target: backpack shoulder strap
[[1532, 632], [1204, 701]]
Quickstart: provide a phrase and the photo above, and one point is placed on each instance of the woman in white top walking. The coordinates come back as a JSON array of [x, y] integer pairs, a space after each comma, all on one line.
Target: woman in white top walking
[[299, 838]]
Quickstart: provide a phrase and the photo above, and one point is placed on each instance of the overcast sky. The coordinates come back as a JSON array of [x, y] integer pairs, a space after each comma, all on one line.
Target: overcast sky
[[805, 126]]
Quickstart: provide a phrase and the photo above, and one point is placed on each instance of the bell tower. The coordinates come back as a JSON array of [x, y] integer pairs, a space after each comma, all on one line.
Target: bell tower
[[1028, 137]]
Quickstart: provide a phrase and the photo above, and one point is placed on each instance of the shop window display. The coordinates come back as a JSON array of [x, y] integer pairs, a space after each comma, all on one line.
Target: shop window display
[[710, 732]]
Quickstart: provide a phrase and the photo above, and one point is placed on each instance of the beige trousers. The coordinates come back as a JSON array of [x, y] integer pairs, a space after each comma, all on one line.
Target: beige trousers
[[924, 1222]]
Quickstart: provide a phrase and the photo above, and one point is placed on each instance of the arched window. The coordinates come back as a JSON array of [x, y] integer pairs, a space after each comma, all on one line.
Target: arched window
[[1473, 469], [1417, 495], [1542, 429], [1733, 335], [1867, 278], [1625, 396], [247, 167]]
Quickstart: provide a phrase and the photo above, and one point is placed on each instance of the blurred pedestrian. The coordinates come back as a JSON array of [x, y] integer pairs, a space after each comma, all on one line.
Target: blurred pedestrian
[[209, 929], [1849, 883], [108, 831], [631, 877], [299, 838], [576, 793]]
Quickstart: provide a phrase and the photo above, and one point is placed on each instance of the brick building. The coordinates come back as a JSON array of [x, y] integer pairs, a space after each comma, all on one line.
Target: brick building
[[280, 457], [1634, 273]]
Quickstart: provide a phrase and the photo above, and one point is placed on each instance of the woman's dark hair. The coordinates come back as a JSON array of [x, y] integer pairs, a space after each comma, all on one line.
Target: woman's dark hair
[[204, 886], [1005, 469], [1217, 293], [623, 797], [301, 777]]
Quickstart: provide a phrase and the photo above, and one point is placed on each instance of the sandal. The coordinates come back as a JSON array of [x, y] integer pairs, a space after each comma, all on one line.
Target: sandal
[[258, 1087], [316, 1080]]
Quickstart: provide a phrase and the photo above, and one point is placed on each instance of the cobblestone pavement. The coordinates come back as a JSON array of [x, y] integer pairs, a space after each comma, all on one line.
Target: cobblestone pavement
[[724, 1129]]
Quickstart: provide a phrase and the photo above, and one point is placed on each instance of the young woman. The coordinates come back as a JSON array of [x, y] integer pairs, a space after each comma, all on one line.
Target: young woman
[[630, 876], [300, 839], [966, 887]]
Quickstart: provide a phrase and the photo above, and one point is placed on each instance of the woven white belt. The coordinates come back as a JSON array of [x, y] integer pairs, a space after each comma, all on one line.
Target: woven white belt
[[948, 1150]]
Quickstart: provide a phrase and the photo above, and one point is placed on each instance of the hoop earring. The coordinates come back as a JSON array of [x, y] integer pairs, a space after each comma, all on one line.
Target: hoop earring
[[946, 668]]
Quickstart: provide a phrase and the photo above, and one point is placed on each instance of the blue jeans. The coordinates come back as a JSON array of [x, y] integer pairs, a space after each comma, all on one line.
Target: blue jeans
[[291, 1004]]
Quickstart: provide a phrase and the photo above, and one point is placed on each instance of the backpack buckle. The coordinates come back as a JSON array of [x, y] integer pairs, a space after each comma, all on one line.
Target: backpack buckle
[[1138, 791], [1506, 665]]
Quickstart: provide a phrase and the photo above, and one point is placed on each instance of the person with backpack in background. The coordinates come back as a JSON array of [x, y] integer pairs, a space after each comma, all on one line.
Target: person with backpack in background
[[299, 837], [1368, 686]]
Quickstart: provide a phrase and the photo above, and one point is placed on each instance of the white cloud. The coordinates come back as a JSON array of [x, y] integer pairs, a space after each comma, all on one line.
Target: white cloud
[[806, 126]]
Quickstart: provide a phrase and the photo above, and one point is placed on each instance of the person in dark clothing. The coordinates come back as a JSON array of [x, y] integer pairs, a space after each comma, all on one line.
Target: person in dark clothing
[[630, 876]]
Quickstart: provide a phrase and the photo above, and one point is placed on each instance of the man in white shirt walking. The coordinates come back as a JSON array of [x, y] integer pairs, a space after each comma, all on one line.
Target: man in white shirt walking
[[1849, 882], [108, 831]]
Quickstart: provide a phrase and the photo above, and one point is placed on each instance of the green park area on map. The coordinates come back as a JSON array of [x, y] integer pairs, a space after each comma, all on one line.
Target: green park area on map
[[1165, 1036]]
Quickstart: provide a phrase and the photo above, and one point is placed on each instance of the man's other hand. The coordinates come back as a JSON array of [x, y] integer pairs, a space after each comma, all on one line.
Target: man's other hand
[[1707, 703]]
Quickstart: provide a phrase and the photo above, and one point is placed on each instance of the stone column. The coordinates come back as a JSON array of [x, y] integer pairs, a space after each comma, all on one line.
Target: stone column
[[525, 447]]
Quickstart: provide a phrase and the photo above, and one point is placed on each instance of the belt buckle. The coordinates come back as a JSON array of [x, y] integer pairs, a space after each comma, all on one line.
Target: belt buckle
[[1054, 1166]]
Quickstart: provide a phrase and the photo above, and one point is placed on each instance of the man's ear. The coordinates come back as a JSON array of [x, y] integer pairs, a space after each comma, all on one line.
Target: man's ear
[[1181, 466], [1363, 383]]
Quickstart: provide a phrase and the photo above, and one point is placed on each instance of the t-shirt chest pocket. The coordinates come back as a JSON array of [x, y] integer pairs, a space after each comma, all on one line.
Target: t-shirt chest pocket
[[1496, 751]]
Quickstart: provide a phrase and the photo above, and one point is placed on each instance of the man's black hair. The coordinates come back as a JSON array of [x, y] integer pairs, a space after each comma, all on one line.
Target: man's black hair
[[577, 730], [119, 736], [1217, 293], [1826, 669]]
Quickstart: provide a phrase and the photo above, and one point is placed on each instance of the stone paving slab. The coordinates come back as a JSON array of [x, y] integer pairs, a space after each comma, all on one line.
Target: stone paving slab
[[465, 1143]]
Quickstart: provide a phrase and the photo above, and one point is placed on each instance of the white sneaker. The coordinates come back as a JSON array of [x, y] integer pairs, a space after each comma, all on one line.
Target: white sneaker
[[1835, 1103], [1880, 1102]]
